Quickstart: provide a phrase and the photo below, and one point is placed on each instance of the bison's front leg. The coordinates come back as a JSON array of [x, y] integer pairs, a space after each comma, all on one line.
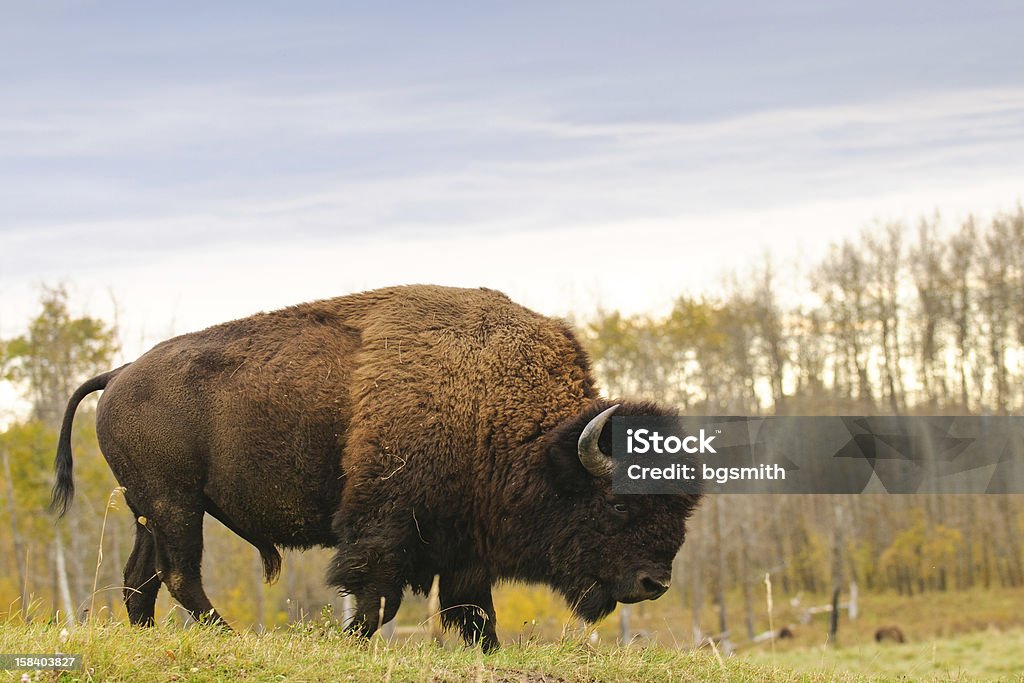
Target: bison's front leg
[[467, 605], [372, 562], [373, 611], [375, 584], [367, 569]]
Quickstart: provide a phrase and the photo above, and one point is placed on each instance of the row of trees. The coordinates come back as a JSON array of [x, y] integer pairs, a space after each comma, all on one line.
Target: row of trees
[[815, 544], [895, 321]]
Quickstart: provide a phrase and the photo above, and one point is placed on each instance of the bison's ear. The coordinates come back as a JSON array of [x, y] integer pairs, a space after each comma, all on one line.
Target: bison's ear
[[567, 471]]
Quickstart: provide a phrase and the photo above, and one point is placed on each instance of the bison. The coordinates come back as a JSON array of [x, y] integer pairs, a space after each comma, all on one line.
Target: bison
[[417, 430], [892, 632]]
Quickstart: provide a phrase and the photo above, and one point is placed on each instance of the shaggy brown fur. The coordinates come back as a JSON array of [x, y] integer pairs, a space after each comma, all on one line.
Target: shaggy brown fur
[[421, 430]]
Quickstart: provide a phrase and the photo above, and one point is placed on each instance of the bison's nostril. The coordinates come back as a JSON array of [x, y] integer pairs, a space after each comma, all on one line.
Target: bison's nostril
[[653, 586]]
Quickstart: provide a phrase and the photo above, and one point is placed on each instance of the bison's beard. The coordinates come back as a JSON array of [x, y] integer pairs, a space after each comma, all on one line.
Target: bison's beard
[[591, 602]]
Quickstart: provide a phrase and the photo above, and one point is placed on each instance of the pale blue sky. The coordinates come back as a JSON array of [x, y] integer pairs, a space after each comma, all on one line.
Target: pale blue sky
[[205, 160]]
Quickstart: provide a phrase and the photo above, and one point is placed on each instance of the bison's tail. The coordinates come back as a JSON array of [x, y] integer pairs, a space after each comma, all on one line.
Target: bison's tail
[[64, 486], [271, 563]]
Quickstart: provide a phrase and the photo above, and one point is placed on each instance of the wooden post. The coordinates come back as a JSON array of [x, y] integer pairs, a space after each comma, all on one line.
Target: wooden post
[[746, 580], [837, 568], [348, 608], [62, 579], [260, 595], [434, 610], [697, 589], [723, 624], [833, 617]]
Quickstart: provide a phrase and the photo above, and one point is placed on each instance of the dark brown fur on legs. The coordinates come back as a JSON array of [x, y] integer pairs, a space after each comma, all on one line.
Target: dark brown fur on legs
[[365, 567], [141, 583], [470, 609], [179, 556], [373, 610], [368, 576]]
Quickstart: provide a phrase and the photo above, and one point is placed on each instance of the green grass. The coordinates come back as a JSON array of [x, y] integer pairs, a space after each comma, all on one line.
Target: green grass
[[116, 652], [983, 655], [922, 617], [121, 653]]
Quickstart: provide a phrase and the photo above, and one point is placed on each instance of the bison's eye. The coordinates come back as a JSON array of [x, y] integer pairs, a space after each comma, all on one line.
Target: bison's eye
[[616, 518]]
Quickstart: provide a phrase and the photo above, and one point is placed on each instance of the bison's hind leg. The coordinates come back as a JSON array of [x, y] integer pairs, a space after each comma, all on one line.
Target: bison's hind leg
[[178, 532], [141, 583]]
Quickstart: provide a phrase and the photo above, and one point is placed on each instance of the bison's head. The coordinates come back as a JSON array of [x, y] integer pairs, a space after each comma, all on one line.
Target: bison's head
[[601, 548]]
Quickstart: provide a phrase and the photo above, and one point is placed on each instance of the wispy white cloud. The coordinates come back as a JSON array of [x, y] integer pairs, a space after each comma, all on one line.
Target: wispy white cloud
[[491, 164]]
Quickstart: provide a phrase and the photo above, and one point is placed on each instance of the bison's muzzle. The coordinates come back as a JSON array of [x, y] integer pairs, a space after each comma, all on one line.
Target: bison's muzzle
[[648, 586]]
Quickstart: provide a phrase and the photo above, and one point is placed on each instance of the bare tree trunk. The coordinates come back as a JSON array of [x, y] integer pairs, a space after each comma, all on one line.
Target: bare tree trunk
[[261, 602], [997, 357], [745, 574], [837, 568], [770, 328], [961, 267], [723, 624], [387, 631], [19, 550], [890, 380], [625, 631], [433, 609], [1015, 571], [63, 588], [833, 617], [290, 587], [348, 606], [78, 578], [968, 546], [114, 568], [697, 588]]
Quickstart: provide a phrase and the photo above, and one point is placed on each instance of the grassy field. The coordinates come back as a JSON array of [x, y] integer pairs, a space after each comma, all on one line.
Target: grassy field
[[987, 655], [966, 636], [120, 653], [116, 652], [922, 617]]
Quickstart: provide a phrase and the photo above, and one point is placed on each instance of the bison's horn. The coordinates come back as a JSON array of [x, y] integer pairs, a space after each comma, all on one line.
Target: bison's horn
[[596, 462]]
